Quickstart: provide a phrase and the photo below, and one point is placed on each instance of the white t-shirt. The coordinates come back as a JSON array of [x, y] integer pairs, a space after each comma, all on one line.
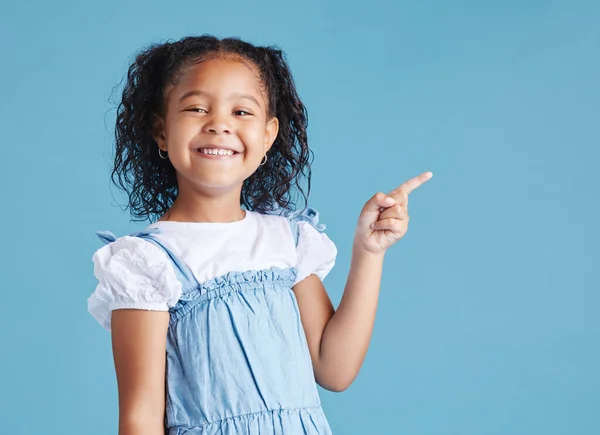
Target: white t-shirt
[[135, 273]]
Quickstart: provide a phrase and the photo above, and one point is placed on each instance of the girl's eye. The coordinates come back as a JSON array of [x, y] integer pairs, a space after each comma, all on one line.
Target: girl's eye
[[196, 109], [242, 112]]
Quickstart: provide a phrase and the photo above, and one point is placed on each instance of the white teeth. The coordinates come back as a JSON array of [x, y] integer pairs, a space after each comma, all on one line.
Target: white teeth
[[216, 152]]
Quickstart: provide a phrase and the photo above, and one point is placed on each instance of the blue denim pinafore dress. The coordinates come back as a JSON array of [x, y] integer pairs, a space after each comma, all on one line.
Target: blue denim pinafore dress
[[237, 357]]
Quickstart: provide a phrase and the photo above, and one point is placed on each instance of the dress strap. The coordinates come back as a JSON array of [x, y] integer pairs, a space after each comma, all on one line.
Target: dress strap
[[183, 272], [309, 215], [106, 236], [294, 227]]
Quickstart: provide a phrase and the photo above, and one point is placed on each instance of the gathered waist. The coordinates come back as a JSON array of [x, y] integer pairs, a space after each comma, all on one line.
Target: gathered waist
[[306, 420]]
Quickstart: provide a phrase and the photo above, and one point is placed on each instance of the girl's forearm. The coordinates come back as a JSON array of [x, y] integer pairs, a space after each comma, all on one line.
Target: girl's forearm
[[347, 335]]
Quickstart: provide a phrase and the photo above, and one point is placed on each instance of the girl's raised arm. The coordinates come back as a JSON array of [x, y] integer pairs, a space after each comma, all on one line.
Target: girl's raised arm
[[139, 350], [338, 339]]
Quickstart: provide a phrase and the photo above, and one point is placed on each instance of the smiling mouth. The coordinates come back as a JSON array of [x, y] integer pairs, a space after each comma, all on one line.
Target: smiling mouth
[[216, 151]]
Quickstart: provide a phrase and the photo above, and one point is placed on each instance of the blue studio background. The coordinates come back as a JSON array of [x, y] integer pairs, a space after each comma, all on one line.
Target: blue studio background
[[488, 319]]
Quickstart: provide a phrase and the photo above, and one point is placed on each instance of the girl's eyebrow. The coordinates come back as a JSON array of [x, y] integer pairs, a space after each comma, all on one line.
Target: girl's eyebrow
[[206, 94]]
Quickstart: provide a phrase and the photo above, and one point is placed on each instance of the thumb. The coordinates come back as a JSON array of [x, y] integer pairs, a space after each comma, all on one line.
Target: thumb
[[379, 200]]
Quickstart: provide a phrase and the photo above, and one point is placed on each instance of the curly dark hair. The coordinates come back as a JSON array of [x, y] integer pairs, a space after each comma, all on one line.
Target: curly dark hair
[[151, 182]]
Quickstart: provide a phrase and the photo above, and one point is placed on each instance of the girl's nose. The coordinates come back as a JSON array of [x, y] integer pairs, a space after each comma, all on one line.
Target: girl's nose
[[217, 124]]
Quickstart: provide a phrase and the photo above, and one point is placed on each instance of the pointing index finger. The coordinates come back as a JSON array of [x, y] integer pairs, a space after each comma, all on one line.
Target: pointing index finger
[[410, 185]]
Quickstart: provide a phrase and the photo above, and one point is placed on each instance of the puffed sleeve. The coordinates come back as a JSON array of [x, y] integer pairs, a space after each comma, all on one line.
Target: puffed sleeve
[[132, 273], [316, 253]]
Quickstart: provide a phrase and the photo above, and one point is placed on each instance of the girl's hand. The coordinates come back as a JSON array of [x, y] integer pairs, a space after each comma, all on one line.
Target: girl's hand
[[384, 218]]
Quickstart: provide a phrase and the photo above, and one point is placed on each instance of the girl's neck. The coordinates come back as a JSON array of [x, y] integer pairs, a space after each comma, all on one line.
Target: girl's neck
[[201, 208]]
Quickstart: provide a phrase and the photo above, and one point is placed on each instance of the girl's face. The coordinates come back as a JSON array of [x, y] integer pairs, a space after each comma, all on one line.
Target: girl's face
[[216, 130]]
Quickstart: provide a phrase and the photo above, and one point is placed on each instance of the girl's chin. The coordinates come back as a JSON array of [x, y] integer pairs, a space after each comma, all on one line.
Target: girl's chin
[[218, 184]]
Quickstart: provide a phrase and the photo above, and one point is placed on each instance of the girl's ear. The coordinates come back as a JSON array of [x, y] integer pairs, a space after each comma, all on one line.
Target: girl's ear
[[271, 130], [158, 131]]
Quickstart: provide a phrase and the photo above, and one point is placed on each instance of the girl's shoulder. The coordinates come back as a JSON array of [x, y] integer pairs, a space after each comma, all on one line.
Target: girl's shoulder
[[309, 217], [316, 252], [129, 248], [130, 251], [131, 273]]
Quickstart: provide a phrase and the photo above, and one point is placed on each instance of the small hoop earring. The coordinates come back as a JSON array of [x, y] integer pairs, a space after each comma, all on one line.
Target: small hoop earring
[[159, 153], [265, 158]]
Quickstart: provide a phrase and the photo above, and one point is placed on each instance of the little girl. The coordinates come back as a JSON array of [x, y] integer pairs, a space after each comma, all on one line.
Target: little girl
[[220, 323]]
